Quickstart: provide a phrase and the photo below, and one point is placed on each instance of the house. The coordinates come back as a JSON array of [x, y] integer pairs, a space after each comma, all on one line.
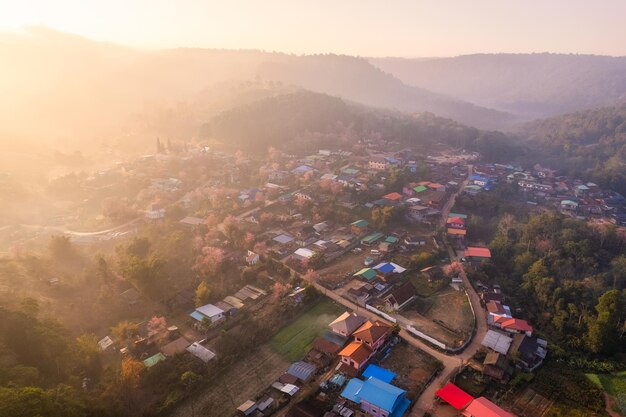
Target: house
[[482, 407], [252, 258], [569, 205], [456, 222], [192, 221], [283, 239], [414, 241], [476, 253], [376, 398], [359, 227], [247, 408], [495, 310], [208, 312], [528, 352], [302, 370], [366, 273], [153, 360], [372, 238], [385, 269], [454, 396], [418, 212], [497, 366], [395, 197], [356, 354], [303, 253], [373, 334], [497, 341], [400, 297], [513, 325], [378, 163], [155, 211], [458, 233], [176, 346], [346, 324], [200, 352]]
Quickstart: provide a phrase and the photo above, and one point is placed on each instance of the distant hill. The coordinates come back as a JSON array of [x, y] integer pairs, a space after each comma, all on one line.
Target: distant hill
[[358, 80], [590, 144], [530, 85], [62, 87], [304, 121]]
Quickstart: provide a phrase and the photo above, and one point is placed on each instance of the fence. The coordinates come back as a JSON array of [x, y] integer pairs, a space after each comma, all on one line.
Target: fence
[[380, 313], [421, 335]]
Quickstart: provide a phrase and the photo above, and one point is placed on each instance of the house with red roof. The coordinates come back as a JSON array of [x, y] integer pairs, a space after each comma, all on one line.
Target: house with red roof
[[456, 223], [454, 396], [513, 325], [394, 197], [482, 407], [477, 253]]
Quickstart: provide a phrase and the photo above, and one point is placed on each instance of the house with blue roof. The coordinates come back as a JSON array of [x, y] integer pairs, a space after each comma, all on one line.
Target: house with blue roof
[[377, 398]]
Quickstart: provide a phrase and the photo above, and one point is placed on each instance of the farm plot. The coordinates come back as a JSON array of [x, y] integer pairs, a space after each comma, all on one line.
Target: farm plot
[[296, 339], [531, 404], [614, 385], [242, 381]]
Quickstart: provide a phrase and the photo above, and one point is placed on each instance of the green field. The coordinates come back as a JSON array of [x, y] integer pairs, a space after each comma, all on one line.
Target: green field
[[296, 339], [614, 384]]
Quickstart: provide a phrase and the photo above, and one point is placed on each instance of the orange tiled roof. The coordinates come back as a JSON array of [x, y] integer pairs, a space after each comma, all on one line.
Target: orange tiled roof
[[358, 352], [372, 331]]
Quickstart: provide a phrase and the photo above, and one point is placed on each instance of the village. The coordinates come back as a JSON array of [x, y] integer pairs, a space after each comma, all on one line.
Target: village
[[367, 253]]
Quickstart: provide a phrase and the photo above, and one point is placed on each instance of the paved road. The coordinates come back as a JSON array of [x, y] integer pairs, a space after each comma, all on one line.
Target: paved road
[[451, 363]]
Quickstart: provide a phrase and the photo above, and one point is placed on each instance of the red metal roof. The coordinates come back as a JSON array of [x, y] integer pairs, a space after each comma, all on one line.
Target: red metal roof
[[393, 196], [478, 252], [482, 407], [454, 396]]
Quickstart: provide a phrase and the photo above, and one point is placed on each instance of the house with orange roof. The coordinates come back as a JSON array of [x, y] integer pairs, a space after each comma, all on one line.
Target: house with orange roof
[[372, 333], [456, 222], [356, 354], [393, 196]]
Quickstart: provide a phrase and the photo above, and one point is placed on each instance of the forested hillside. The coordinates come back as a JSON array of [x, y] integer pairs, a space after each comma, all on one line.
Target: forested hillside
[[305, 121], [531, 85], [589, 144]]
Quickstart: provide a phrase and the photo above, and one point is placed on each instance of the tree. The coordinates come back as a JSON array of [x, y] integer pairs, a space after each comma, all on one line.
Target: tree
[[604, 331], [61, 401], [156, 325], [280, 290], [203, 294], [61, 248], [209, 261], [124, 330]]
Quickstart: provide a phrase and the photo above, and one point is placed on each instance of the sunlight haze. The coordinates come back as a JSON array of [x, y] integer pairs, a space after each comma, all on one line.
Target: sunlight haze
[[365, 28]]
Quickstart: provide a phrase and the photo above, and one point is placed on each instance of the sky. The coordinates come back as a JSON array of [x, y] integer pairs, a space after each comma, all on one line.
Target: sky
[[409, 28]]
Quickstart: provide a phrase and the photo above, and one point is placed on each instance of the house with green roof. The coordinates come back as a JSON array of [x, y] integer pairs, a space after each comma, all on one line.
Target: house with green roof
[[420, 189], [372, 238], [359, 227], [366, 273]]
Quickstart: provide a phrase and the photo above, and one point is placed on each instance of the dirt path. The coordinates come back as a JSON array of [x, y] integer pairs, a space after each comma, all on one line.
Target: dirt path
[[609, 403]]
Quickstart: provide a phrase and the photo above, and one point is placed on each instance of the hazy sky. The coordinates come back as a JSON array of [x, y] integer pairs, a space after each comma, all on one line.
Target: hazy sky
[[356, 27]]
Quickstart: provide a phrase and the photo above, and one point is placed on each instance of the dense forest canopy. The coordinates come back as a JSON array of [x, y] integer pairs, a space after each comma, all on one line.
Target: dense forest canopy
[[590, 144]]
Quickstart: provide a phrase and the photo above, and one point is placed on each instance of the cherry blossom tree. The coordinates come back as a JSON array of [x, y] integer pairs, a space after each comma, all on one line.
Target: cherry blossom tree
[[156, 325], [209, 261], [280, 290]]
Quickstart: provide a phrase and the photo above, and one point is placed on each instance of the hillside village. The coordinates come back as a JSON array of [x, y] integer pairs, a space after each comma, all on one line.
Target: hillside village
[[374, 236]]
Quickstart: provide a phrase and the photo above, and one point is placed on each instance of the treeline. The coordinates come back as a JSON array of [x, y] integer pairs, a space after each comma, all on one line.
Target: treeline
[[568, 277]]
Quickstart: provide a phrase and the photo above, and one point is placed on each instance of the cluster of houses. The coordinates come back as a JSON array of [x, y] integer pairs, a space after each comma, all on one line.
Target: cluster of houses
[[153, 346], [213, 314], [510, 340], [540, 185], [336, 360]]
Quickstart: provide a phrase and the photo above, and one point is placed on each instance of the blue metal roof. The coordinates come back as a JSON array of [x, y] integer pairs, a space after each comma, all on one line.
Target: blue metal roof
[[401, 407], [352, 389], [380, 394], [386, 268], [377, 372], [198, 316]]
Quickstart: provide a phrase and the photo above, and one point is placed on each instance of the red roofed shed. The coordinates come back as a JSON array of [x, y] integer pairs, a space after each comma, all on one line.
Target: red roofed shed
[[454, 396], [393, 196], [475, 252]]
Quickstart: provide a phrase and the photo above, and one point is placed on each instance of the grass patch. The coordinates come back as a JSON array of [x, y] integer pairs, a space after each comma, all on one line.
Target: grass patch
[[427, 289], [614, 384], [296, 339]]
